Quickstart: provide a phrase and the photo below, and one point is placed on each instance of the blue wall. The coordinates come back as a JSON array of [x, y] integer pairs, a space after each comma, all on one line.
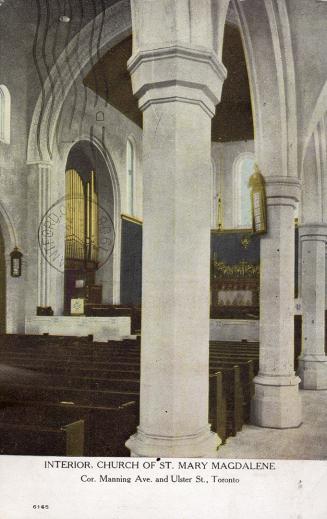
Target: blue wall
[[227, 247], [131, 263]]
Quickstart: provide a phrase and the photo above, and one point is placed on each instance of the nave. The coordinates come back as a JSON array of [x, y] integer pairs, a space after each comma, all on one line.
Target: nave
[[70, 396]]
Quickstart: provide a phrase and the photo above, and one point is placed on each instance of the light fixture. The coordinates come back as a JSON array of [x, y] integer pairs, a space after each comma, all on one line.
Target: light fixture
[[64, 18], [16, 263]]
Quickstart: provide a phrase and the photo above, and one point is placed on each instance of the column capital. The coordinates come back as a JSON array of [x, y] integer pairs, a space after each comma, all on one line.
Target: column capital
[[284, 190], [315, 231], [39, 165], [177, 73]]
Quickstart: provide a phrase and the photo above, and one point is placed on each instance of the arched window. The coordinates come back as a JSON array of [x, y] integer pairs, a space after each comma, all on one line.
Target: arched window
[[4, 114], [243, 169], [213, 195], [130, 160]]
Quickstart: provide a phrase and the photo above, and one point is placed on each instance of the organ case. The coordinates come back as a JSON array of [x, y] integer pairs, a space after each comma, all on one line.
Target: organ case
[[81, 240]]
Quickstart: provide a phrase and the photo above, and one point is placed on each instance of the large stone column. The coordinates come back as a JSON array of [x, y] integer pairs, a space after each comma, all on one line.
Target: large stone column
[[178, 88], [277, 402], [313, 361]]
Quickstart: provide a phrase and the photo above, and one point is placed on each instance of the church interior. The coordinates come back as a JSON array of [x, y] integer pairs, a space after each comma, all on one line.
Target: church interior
[[163, 228]]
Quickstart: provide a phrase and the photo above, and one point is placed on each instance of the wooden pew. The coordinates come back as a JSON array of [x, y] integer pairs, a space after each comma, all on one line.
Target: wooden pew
[[94, 382], [226, 357], [85, 371], [218, 405], [231, 400], [73, 377], [106, 428], [55, 363], [57, 394], [103, 375], [86, 358], [246, 380], [40, 434]]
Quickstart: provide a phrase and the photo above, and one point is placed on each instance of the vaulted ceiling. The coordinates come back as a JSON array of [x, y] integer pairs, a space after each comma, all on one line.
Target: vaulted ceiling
[[39, 27], [110, 79]]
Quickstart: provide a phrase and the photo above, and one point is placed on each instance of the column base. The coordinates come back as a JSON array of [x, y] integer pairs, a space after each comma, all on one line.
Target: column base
[[276, 403], [201, 445], [313, 371]]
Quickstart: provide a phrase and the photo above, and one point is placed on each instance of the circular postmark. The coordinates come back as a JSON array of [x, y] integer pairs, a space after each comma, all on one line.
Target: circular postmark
[[58, 225]]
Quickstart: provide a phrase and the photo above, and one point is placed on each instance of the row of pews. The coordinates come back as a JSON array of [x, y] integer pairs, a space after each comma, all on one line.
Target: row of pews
[[232, 367], [67, 396], [70, 396]]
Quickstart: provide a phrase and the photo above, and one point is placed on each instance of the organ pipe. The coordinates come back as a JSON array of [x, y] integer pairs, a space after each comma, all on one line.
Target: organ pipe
[[94, 220], [75, 216], [88, 234], [96, 228], [82, 220]]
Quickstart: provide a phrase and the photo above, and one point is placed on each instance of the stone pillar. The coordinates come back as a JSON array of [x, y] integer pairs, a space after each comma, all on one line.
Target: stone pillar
[[43, 264], [277, 402], [313, 361], [177, 88], [39, 201]]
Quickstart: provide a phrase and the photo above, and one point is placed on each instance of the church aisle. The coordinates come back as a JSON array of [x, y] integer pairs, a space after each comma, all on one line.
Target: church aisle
[[309, 441]]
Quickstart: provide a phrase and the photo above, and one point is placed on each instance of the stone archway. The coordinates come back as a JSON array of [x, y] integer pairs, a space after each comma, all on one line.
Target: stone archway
[[99, 159], [272, 83], [42, 146], [78, 56]]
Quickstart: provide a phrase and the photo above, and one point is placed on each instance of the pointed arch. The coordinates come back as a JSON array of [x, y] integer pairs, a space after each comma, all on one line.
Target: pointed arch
[[130, 175], [272, 84], [5, 114], [242, 170], [102, 149], [317, 116], [76, 58]]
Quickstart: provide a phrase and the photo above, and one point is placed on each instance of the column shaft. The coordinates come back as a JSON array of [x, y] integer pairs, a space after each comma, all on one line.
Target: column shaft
[[44, 198], [276, 402], [177, 110], [175, 282], [313, 362], [39, 200]]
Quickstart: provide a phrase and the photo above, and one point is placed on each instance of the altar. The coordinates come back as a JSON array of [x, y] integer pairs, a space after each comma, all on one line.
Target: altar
[[103, 329]]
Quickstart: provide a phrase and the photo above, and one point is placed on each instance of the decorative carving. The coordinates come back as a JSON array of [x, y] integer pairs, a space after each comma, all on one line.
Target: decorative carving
[[245, 241], [241, 270]]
